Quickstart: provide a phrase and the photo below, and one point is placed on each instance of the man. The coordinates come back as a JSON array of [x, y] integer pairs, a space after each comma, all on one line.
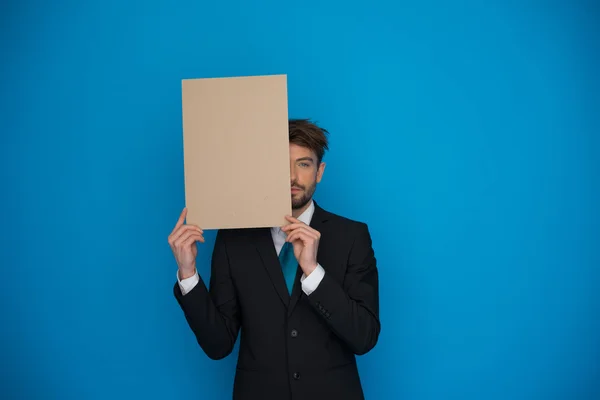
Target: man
[[304, 296]]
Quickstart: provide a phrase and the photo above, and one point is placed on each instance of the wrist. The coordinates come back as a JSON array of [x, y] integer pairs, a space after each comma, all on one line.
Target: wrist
[[309, 269], [185, 274]]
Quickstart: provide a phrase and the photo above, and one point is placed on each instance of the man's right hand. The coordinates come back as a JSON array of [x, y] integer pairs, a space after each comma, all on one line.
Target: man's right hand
[[183, 244]]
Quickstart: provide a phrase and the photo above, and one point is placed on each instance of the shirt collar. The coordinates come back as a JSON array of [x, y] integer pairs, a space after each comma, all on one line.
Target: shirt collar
[[305, 217]]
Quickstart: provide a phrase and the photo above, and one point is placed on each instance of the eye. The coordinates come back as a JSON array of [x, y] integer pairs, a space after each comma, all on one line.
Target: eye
[[304, 164]]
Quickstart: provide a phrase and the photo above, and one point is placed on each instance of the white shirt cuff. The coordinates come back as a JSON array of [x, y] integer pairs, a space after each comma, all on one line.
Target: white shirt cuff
[[189, 283], [311, 282]]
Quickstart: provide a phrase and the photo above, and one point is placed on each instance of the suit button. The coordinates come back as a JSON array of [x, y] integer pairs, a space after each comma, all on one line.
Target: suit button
[[296, 375], [294, 333]]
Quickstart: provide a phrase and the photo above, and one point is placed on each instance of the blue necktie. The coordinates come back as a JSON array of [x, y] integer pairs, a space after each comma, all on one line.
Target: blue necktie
[[289, 265]]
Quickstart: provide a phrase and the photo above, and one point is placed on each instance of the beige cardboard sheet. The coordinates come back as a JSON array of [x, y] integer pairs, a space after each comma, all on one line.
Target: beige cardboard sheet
[[236, 151]]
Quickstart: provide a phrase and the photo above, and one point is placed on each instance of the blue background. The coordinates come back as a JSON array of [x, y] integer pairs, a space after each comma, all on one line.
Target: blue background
[[464, 134]]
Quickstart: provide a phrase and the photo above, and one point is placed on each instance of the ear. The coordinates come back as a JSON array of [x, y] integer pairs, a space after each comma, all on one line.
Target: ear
[[320, 172]]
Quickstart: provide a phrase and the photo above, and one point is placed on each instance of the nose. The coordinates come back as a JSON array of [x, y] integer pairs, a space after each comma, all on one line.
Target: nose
[[292, 173]]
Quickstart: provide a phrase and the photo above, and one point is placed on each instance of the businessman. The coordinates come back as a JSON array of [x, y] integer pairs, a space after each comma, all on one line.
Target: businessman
[[304, 297]]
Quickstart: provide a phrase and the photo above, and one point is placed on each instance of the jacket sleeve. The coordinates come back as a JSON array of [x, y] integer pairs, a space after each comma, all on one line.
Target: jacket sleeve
[[213, 314], [351, 309]]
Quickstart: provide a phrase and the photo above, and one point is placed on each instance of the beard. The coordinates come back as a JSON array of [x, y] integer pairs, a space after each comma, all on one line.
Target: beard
[[303, 197]]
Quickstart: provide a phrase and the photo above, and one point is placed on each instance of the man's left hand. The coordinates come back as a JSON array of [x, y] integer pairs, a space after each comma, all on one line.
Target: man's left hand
[[305, 241]]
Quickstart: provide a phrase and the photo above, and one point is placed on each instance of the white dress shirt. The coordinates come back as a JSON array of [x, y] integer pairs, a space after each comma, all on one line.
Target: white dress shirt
[[309, 283]]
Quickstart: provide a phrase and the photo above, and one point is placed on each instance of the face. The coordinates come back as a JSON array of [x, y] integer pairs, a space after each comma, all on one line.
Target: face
[[304, 175]]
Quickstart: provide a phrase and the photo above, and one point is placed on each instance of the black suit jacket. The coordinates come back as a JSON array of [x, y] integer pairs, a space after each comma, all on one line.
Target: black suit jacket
[[291, 347]]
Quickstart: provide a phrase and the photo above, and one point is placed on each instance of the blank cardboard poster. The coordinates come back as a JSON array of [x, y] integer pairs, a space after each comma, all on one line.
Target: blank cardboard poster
[[236, 151]]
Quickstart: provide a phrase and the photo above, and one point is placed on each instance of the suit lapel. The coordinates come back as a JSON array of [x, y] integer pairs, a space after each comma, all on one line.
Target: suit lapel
[[318, 219], [266, 249]]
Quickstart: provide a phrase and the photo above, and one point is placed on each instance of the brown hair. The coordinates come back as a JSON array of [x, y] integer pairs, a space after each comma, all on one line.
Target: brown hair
[[307, 134]]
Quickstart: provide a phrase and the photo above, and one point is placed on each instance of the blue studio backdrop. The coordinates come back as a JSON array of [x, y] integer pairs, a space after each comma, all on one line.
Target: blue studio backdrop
[[465, 134]]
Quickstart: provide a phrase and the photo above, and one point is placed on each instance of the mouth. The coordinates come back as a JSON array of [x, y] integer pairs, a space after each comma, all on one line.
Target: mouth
[[296, 190]]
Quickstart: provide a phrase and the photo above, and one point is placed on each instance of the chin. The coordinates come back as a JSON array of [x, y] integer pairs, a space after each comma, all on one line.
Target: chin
[[299, 203]]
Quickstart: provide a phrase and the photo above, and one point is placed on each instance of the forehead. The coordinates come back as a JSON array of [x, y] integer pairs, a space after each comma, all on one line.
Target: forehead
[[297, 151]]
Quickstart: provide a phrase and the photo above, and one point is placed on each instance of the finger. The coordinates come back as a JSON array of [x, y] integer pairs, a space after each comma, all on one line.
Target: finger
[[181, 218], [291, 238], [185, 227], [294, 226], [179, 242], [187, 245], [292, 219], [304, 239], [306, 229], [303, 236], [181, 230], [192, 239]]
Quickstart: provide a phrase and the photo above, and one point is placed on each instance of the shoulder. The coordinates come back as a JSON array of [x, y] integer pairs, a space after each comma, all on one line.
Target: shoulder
[[343, 223], [346, 233]]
